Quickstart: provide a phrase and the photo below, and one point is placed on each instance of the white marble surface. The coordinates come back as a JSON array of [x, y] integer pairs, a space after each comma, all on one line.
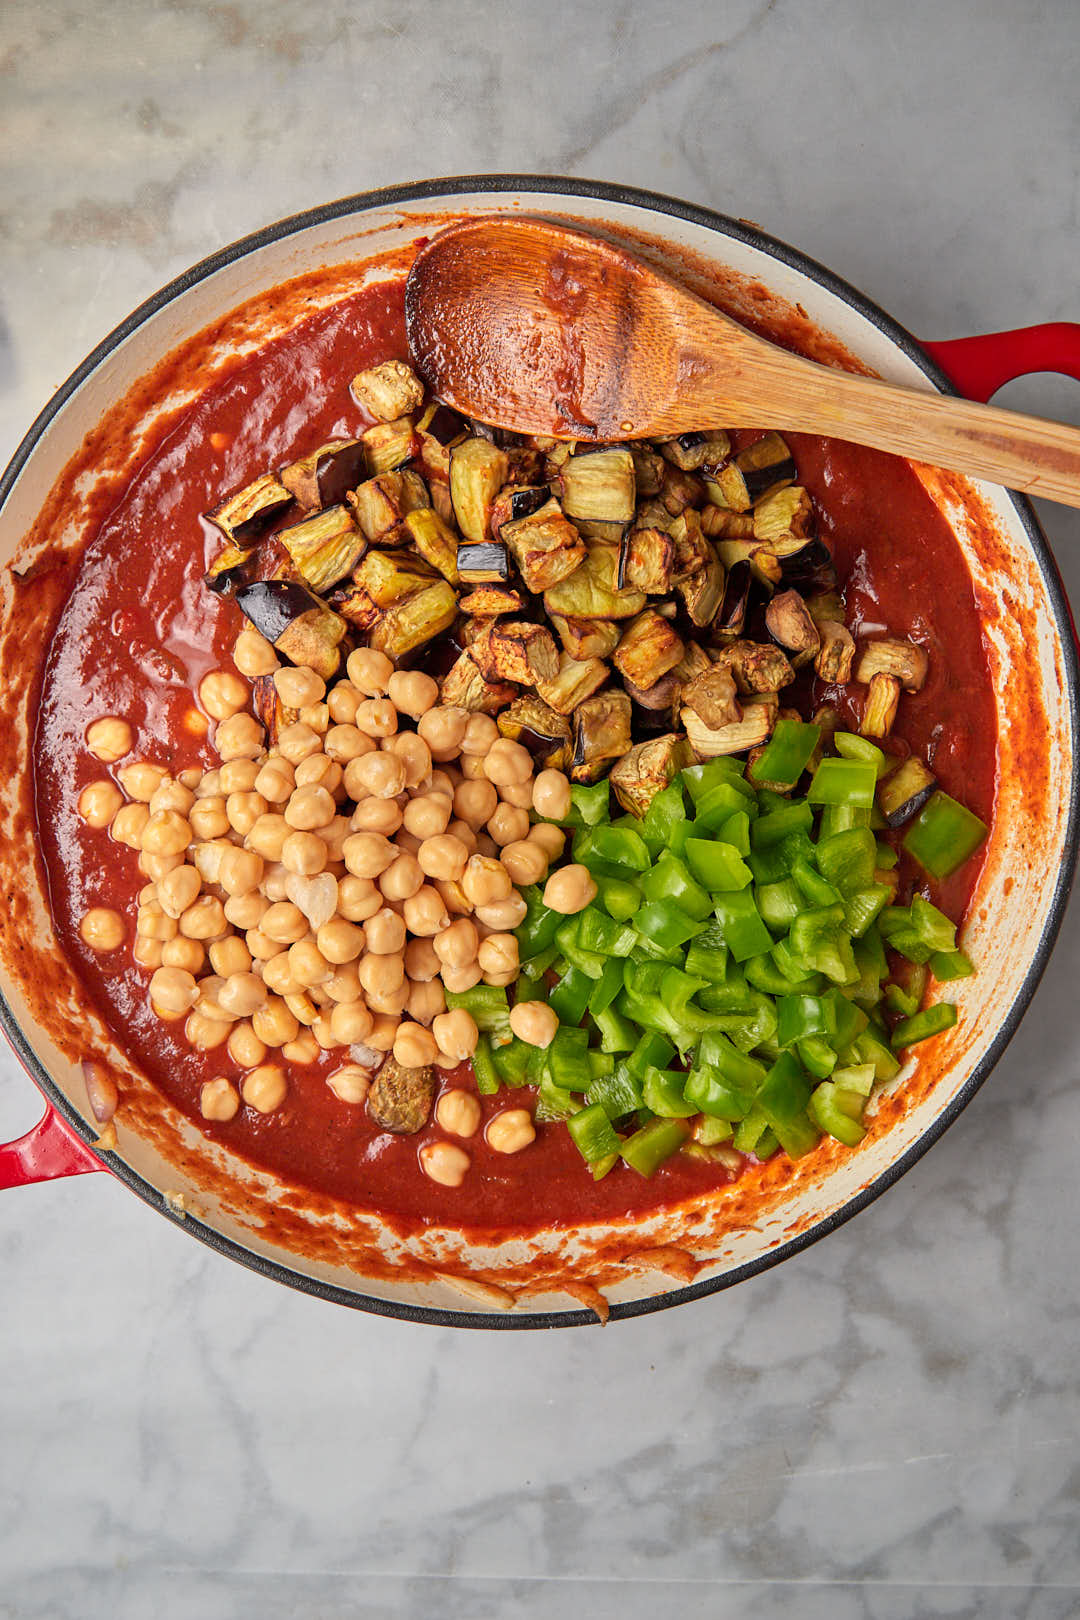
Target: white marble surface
[[889, 1425]]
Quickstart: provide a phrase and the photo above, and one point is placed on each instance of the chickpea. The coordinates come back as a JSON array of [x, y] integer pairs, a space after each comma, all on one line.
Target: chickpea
[[188, 954], [569, 890], [358, 899], [507, 762], [207, 818], [369, 671], [264, 1088], [252, 653], [230, 955], [238, 776], [551, 795], [552, 840], [346, 742], [486, 881], [179, 889], [99, 802], [462, 830], [309, 808], [480, 733], [405, 841], [443, 857], [415, 756], [309, 965], [297, 687], [472, 768], [526, 862], [246, 911], [383, 1030], [499, 954], [456, 1033], [376, 717], [152, 922], [393, 1002], [302, 1006], [508, 825], [534, 1022], [304, 1049], [317, 716], [426, 1001], [102, 929], [376, 815], [304, 854], [297, 741], [242, 994], [350, 1083], [140, 780], [444, 1163], [342, 700], [156, 867], [402, 878], [458, 1112], [503, 915], [209, 785], [171, 796], [381, 975], [172, 992], [190, 778], [168, 833], [459, 979], [219, 1100], [425, 913], [261, 946], [245, 1047], [204, 1032], [276, 780], [319, 771], [385, 933], [239, 737], [222, 694], [516, 794], [380, 775], [457, 945], [475, 803], [205, 919], [340, 941], [368, 855], [412, 692], [350, 1023], [274, 1024], [343, 984], [275, 883], [129, 824], [240, 871], [421, 962], [414, 1046], [510, 1131], [427, 815], [109, 739], [486, 845], [443, 729], [150, 953], [284, 922], [244, 810], [445, 781]]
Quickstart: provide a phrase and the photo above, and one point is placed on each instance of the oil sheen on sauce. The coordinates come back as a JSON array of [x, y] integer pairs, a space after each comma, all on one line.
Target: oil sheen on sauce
[[139, 631]]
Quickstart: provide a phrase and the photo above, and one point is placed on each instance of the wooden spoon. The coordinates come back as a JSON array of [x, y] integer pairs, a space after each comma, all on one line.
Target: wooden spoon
[[528, 325]]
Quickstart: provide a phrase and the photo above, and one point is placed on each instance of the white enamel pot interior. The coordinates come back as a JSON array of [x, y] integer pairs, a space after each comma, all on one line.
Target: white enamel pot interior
[[1021, 895]]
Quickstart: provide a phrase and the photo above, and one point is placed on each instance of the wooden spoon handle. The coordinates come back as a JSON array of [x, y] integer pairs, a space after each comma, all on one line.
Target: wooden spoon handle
[[1004, 447]]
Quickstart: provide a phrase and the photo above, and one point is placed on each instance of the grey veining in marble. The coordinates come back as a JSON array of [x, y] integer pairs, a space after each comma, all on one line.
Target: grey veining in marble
[[889, 1425]]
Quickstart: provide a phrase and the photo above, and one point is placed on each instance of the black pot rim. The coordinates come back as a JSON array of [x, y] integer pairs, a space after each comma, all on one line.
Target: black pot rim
[[724, 226]]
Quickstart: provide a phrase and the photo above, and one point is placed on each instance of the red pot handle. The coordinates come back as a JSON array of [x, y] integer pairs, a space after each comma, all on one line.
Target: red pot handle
[[45, 1153], [979, 366]]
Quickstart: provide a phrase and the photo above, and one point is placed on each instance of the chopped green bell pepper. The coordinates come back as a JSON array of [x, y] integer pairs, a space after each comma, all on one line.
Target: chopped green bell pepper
[[944, 835]]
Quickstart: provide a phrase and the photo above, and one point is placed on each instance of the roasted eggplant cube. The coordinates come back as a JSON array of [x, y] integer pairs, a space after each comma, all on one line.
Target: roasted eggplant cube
[[680, 490], [533, 723], [391, 576], [692, 451], [576, 681], [655, 707], [712, 697], [249, 512], [601, 734], [517, 501], [388, 391], [720, 523], [784, 511], [755, 727], [756, 666], [647, 769], [300, 627], [382, 503], [902, 659], [434, 540], [879, 710], [693, 552], [703, 594], [650, 560], [789, 624], [227, 571], [599, 492], [545, 545], [592, 592], [695, 661], [649, 648], [587, 638], [729, 620], [401, 1099], [836, 654], [726, 486], [267, 706], [420, 618], [491, 601], [324, 547], [486, 564], [390, 444], [358, 606], [648, 470], [513, 650], [765, 466], [324, 476], [903, 793], [478, 471], [463, 687]]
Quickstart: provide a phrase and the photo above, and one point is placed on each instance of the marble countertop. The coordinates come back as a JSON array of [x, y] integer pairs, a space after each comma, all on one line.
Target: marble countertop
[[889, 1424]]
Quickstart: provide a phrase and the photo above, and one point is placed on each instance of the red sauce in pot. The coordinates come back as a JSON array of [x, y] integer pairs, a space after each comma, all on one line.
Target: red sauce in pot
[[139, 631]]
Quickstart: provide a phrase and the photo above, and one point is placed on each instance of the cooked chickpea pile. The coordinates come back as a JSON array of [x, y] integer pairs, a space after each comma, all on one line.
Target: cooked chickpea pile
[[325, 890]]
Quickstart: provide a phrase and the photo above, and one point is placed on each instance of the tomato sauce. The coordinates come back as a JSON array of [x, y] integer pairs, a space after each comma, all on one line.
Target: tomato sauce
[[139, 630]]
